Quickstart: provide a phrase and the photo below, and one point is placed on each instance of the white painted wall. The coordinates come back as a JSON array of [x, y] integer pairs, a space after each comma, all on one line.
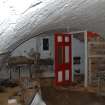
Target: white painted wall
[[78, 50], [43, 54], [37, 44]]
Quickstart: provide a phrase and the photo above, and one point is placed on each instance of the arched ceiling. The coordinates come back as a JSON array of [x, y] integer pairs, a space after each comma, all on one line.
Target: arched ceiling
[[21, 19]]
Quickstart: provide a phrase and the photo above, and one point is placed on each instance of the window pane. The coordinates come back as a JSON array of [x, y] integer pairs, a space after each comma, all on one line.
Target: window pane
[[60, 76], [67, 39], [45, 44], [67, 75], [67, 54], [76, 60], [60, 55], [59, 38]]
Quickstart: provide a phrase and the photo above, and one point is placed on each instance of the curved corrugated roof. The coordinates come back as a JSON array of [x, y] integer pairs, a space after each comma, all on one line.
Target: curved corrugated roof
[[20, 19]]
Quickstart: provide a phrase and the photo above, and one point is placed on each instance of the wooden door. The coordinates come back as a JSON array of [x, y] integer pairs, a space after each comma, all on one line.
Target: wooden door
[[63, 58]]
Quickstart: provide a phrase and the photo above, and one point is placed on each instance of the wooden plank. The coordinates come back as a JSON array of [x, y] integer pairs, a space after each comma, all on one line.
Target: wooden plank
[[86, 60]]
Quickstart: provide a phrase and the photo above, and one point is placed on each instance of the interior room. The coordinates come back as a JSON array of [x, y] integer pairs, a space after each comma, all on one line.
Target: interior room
[[52, 52]]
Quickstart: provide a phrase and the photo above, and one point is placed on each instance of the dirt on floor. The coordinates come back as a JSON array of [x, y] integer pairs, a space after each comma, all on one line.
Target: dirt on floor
[[56, 96], [8, 92]]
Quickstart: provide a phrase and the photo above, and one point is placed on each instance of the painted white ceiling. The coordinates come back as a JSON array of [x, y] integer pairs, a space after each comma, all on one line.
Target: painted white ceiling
[[24, 18]]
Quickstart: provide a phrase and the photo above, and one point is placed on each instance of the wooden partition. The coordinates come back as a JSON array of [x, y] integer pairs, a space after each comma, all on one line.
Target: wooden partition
[[96, 58]]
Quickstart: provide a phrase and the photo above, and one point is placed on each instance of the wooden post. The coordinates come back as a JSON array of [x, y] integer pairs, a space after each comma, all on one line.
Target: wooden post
[[90, 80], [86, 59], [72, 57], [19, 68], [30, 71], [10, 73]]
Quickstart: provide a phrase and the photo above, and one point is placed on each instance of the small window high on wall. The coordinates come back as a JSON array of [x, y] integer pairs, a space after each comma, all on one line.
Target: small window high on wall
[[45, 44]]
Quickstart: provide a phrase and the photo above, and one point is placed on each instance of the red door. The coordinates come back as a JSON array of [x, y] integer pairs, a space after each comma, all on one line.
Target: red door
[[63, 58]]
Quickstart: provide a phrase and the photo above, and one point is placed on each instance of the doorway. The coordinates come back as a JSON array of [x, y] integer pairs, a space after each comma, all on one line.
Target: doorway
[[63, 58]]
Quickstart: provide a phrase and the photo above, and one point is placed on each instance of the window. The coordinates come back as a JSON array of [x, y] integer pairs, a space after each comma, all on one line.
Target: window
[[77, 60], [46, 44]]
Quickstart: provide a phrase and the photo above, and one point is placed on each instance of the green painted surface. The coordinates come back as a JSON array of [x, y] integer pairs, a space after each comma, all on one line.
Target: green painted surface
[[52, 46], [52, 49]]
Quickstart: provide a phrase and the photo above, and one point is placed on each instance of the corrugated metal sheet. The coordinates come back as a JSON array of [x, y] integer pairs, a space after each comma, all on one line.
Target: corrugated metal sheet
[[21, 18]]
